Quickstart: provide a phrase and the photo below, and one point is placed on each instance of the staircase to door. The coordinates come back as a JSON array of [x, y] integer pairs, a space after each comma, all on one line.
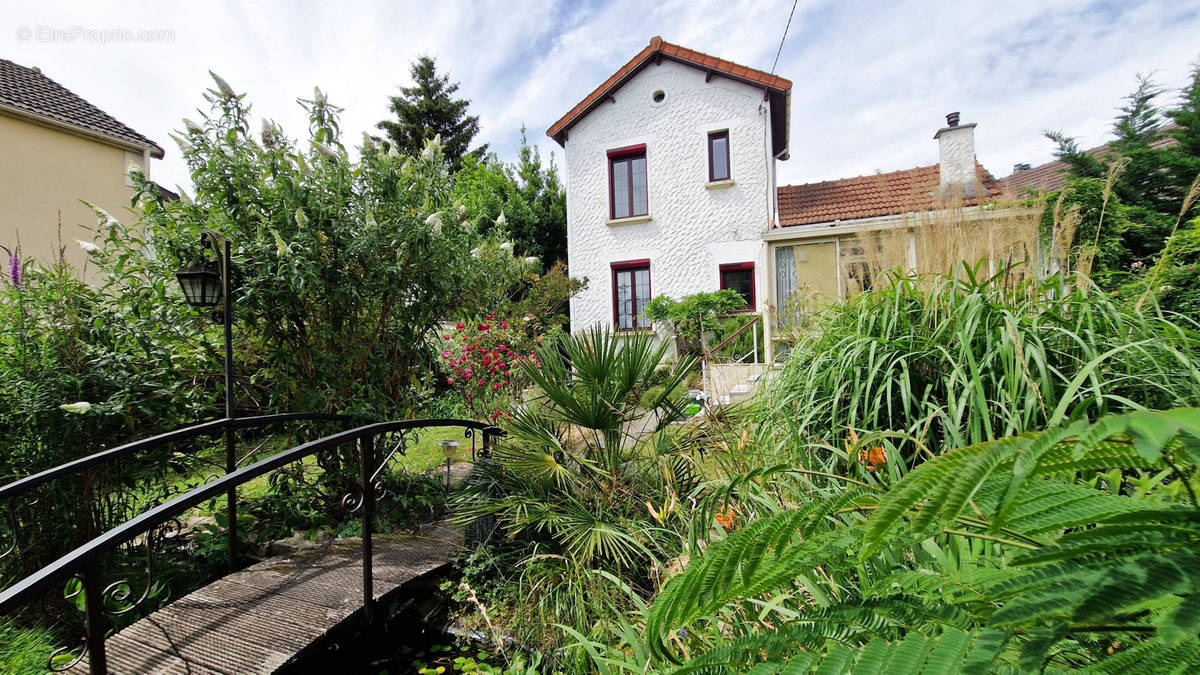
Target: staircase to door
[[729, 376]]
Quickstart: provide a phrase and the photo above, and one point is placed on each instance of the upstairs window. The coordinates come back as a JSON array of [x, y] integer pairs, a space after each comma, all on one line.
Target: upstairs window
[[631, 293], [740, 277], [627, 182], [718, 156]]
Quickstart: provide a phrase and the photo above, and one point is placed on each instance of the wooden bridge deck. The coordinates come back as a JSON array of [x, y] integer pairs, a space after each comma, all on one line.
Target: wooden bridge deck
[[258, 619]]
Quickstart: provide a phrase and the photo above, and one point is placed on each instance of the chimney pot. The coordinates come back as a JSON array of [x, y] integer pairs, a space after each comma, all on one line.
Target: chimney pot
[[952, 119]]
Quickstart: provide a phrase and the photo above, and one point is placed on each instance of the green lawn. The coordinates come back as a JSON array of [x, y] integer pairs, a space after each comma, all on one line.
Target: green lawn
[[425, 453]]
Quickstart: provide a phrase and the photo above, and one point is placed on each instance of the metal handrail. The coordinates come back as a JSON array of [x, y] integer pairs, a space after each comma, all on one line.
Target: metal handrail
[[112, 539], [83, 559], [28, 483], [729, 339]]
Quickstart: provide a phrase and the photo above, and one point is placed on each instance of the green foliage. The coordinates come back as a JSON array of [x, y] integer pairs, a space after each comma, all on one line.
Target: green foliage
[[699, 310], [1140, 186], [25, 650], [692, 315], [572, 482], [527, 199], [427, 110], [944, 363], [998, 551], [125, 355], [344, 270]]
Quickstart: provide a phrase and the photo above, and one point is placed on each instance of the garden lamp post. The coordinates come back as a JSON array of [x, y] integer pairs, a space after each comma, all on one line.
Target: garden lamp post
[[449, 450], [206, 284]]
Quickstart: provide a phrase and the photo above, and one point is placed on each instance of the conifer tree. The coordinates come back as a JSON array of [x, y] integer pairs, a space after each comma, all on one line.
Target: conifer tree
[[428, 109]]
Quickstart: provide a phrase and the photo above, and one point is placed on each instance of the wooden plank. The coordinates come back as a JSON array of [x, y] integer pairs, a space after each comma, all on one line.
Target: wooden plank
[[257, 619]]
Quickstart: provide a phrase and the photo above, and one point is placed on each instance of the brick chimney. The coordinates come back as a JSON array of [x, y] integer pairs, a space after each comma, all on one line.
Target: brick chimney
[[956, 157]]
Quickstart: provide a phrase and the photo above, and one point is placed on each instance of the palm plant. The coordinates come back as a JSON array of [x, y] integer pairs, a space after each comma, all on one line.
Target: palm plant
[[586, 478]]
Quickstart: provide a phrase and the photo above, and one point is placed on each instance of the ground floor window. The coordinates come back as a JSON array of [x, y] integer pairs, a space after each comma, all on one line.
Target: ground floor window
[[739, 277], [631, 293]]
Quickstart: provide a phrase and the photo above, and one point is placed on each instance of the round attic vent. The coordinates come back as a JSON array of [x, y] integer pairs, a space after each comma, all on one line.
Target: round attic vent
[[658, 96]]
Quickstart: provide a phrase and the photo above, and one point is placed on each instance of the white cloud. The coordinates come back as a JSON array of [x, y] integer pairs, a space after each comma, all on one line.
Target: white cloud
[[872, 80]]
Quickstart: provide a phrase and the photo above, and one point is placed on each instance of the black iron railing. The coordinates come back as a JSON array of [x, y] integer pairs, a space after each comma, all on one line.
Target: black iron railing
[[83, 562]]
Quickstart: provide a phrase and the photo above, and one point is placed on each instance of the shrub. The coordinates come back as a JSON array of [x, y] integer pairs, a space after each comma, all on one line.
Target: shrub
[[1004, 555], [948, 363], [586, 480]]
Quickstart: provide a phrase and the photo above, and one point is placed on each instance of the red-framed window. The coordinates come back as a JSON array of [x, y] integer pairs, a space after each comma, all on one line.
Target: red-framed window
[[718, 156], [627, 192], [631, 293], [740, 277]]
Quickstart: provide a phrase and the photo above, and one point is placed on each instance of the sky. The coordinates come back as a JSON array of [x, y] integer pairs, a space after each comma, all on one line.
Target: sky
[[872, 80]]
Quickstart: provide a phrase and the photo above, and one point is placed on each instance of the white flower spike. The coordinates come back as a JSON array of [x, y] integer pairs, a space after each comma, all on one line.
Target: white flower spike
[[325, 150], [506, 246], [106, 218], [79, 407], [531, 259], [222, 85], [501, 220], [435, 221], [87, 246]]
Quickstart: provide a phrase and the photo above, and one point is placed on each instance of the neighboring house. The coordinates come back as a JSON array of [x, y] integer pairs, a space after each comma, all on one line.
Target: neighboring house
[[58, 149], [820, 242], [670, 182]]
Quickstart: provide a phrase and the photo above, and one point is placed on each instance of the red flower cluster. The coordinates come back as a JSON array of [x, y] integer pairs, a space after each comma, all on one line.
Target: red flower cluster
[[482, 365]]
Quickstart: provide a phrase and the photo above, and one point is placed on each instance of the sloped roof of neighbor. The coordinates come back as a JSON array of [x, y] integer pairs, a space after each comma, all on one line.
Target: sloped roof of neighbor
[[27, 92], [883, 194], [1053, 176]]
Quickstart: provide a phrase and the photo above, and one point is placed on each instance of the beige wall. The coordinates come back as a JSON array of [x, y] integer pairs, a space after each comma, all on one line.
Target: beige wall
[[44, 171]]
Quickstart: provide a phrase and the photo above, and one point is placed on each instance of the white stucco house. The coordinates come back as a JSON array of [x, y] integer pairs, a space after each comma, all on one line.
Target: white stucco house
[[671, 182], [671, 190]]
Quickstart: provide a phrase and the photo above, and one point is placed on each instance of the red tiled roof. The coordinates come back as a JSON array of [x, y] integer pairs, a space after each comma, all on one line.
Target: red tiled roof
[[1053, 176], [29, 91], [671, 51], [883, 194]]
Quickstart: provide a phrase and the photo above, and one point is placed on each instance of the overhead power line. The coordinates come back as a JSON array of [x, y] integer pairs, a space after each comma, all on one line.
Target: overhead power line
[[782, 39]]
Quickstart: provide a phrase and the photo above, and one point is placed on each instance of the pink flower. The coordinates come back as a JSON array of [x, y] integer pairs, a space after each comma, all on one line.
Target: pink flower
[[445, 337], [487, 362], [459, 326], [504, 325], [496, 387], [449, 380], [446, 354], [502, 348], [505, 383], [469, 373]]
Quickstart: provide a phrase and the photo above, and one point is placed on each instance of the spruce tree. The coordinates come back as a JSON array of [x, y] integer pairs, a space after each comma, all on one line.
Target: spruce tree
[[428, 109]]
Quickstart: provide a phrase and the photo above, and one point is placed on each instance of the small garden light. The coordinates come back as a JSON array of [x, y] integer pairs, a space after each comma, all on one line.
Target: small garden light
[[449, 451]]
